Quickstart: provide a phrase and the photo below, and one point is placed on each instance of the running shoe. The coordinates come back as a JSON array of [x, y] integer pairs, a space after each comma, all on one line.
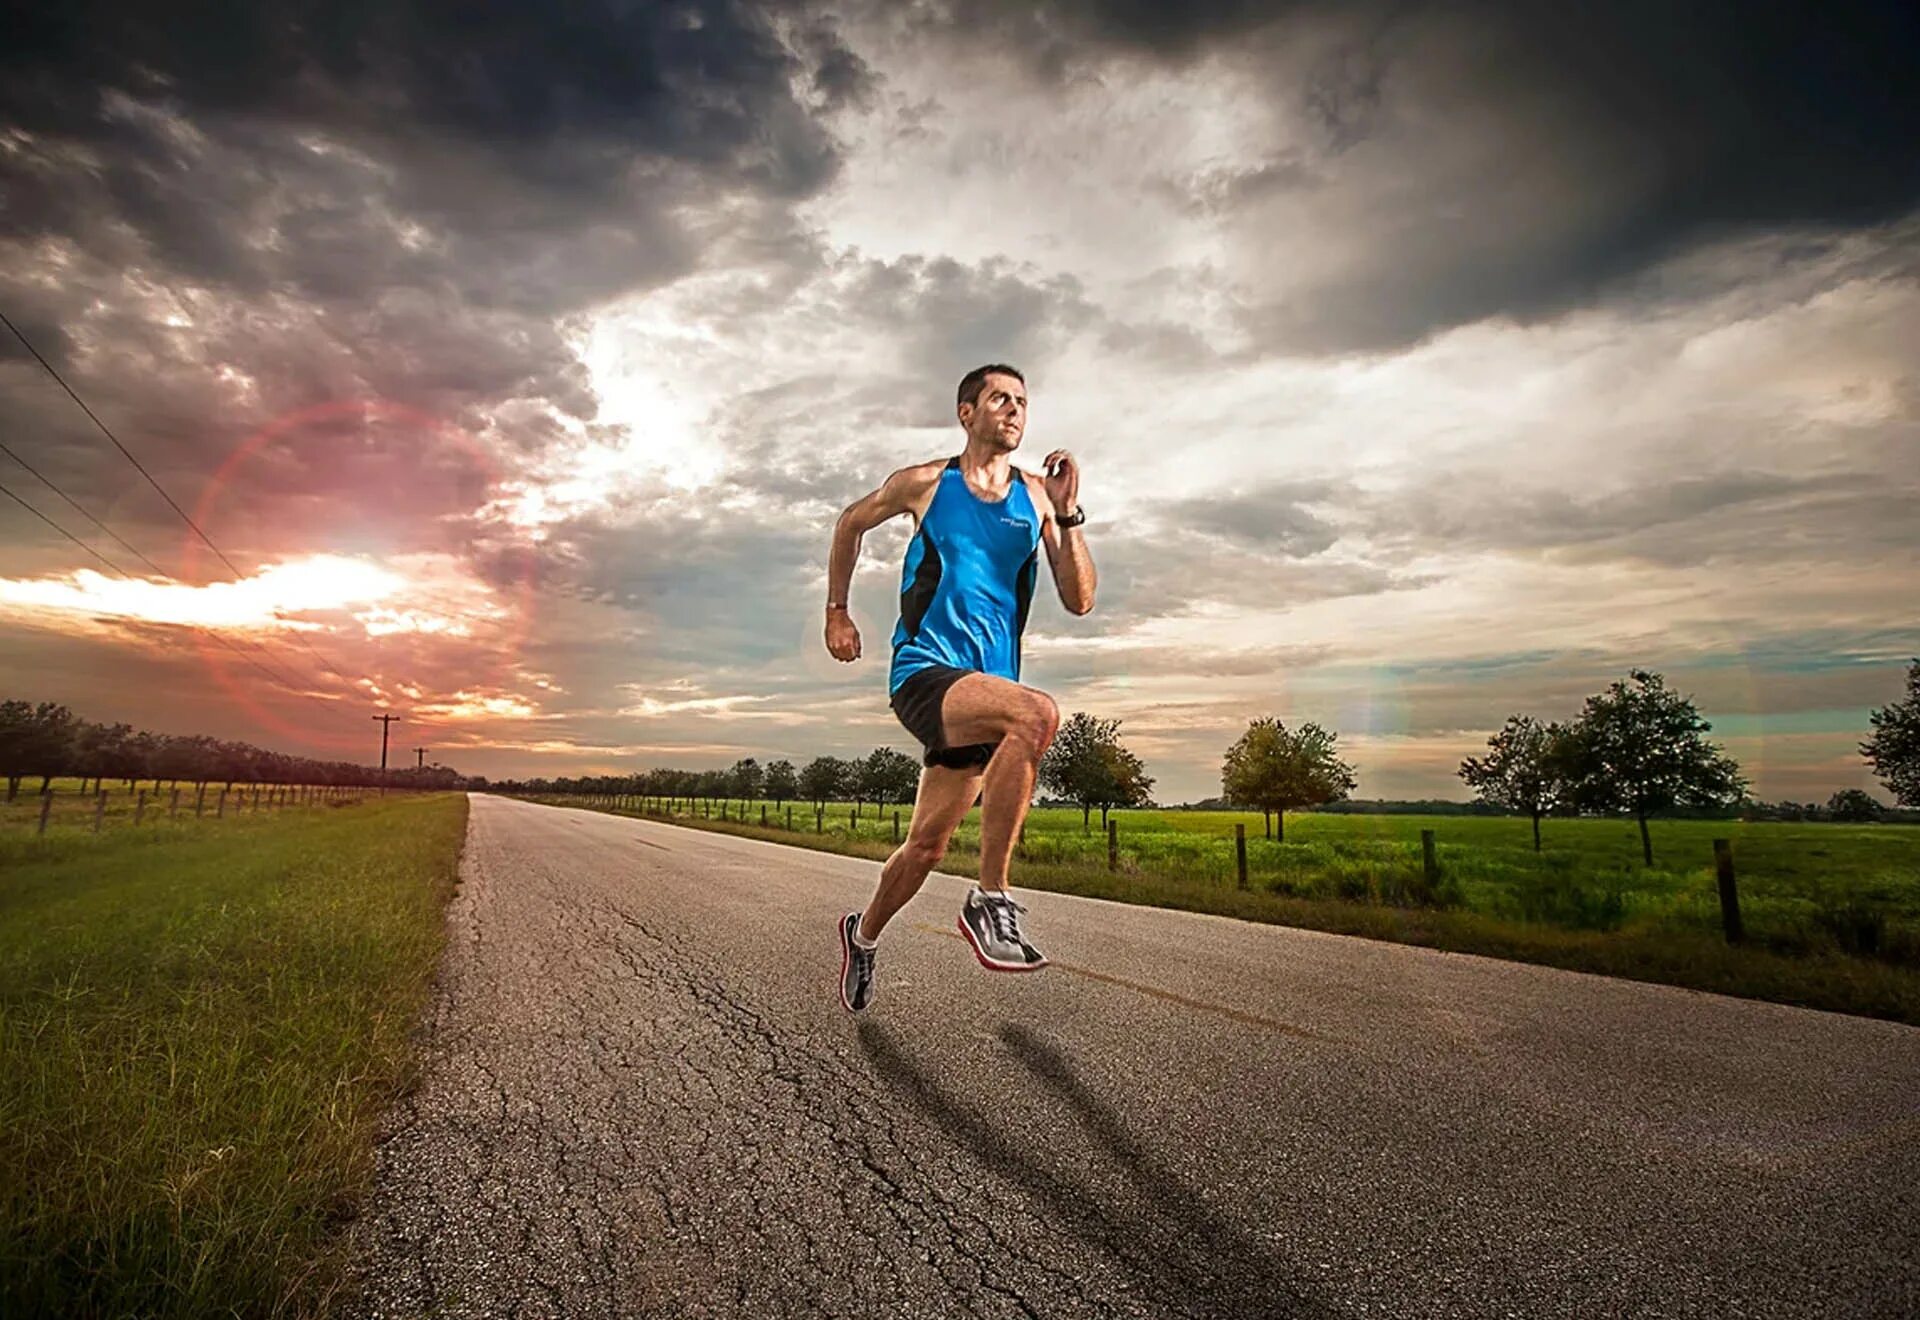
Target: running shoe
[[856, 967], [991, 923]]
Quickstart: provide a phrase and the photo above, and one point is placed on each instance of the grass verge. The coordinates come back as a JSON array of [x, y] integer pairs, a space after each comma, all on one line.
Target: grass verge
[[201, 1029], [1810, 977]]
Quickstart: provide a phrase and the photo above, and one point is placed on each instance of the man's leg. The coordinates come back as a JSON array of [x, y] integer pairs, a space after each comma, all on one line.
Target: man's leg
[[981, 708], [944, 799]]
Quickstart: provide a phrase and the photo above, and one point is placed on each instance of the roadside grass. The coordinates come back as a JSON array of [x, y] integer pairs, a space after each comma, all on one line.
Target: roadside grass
[[1831, 912], [202, 1025]]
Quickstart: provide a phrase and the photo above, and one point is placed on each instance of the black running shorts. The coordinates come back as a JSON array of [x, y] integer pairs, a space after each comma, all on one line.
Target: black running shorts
[[917, 703]]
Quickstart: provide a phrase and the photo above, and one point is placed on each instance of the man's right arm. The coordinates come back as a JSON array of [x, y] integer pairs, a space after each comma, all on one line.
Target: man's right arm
[[900, 493]]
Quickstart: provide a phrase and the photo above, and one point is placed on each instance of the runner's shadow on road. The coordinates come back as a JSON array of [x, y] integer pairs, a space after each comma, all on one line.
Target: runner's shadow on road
[[1191, 1258]]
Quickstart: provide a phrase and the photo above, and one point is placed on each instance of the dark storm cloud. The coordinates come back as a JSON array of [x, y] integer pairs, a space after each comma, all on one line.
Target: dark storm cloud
[[1496, 157], [1752, 518], [578, 89], [400, 202], [1273, 520]]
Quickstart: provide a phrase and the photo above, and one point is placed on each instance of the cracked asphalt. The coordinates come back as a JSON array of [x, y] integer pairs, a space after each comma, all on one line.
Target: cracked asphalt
[[640, 1096]]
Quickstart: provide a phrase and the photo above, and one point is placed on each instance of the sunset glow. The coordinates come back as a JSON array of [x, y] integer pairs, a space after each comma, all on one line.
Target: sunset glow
[[267, 600]]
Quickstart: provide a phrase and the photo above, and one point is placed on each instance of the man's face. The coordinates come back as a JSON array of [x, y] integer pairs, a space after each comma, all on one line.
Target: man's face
[[999, 415]]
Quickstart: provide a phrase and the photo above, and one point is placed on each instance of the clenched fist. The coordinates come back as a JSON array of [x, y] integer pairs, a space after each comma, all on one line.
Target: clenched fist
[[843, 639], [1062, 481]]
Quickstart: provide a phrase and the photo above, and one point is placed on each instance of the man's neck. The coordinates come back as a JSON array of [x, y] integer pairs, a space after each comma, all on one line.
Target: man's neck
[[990, 468]]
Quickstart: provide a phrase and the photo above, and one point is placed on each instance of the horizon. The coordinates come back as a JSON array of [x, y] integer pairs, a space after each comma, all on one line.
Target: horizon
[[1426, 366]]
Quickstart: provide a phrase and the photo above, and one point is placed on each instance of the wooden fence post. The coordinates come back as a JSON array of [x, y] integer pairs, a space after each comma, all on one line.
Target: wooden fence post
[[220, 809], [896, 827], [173, 805], [1429, 864], [763, 815], [853, 820], [1729, 896], [99, 808], [819, 820], [789, 818], [140, 807], [46, 805], [199, 801], [1113, 845], [1240, 849]]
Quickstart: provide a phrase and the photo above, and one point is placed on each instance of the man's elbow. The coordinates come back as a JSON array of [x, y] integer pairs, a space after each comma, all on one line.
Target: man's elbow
[[1083, 606]]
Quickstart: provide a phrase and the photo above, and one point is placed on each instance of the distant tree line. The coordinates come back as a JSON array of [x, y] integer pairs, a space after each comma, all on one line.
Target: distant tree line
[[1639, 749], [882, 776], [47, 741]]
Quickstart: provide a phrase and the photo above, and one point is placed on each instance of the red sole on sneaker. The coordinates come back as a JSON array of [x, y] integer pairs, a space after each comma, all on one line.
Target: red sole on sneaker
[[985, 961], [846, 956]]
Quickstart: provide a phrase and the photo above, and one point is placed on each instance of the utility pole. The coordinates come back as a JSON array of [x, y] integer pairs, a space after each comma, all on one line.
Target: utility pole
[[385, 720], [419, 758]]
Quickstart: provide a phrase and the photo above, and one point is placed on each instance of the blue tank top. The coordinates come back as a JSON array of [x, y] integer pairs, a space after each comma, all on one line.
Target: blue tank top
[[967, 582]]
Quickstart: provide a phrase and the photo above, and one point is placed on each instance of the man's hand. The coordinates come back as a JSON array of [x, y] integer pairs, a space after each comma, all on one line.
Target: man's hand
[[843, 639], [1063, 481]]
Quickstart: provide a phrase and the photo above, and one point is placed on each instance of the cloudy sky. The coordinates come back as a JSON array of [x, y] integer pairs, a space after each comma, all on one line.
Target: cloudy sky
[[1428, 363]]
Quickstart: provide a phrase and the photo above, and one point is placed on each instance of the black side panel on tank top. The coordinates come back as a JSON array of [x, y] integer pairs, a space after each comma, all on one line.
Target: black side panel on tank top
[[918, 597], [1023, 589]]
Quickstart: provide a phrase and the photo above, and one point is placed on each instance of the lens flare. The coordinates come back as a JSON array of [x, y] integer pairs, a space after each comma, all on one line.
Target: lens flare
[[289, 428]]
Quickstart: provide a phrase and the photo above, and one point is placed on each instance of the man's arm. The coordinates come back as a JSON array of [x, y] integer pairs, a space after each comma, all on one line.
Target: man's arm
[[1067, 551], [903, 492]]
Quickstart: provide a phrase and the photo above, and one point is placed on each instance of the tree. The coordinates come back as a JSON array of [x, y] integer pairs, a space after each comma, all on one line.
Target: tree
[[888, 776], [16, 743], [782, 786], [1894, 748], [745, 778], [1088, 765], [823, 780], [1524, 769], [1271, 769], [35, 740], [1638, 747], [1853, 804]]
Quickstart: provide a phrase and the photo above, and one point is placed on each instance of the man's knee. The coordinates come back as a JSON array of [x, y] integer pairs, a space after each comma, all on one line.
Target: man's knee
[[925, 852], [1039, 721]]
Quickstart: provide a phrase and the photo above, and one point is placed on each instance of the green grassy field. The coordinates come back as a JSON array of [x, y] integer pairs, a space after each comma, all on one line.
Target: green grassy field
[[68, 809], [1831, 912], [202, 1022]]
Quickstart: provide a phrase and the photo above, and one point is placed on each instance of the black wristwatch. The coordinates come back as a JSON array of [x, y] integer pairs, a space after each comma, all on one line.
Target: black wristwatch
[[1074, 519]]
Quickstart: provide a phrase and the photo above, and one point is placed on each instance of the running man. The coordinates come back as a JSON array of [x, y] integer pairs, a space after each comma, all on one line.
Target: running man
[[965, 590]]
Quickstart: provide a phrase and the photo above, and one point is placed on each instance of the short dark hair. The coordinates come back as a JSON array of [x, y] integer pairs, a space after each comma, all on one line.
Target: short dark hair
[[973, 381]]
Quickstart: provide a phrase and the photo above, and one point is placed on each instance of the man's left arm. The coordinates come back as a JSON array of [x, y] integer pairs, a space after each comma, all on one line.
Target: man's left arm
[[1059, 493]]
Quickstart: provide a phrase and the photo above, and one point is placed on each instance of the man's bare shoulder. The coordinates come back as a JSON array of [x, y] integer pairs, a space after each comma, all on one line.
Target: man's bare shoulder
[[1037, 489], [917, 476], [911, 488]]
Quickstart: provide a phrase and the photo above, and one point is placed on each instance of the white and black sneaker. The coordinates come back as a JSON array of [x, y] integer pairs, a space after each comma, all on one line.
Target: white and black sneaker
[[856, 967], [991, 923]]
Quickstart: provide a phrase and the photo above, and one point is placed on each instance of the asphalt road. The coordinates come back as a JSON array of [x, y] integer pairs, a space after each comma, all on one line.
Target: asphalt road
[[642, 1097]]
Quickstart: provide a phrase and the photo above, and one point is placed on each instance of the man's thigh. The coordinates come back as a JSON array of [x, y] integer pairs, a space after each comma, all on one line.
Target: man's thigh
[[945, 797], [982, 708]]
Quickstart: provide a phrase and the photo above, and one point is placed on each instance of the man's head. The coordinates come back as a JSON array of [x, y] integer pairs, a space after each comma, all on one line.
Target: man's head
[[993, 406]]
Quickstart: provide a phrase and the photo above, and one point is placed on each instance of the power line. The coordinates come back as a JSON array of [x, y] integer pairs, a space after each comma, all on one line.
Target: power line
[[280, 678], [58, 528], [107, 431], [48, 483], [51, 485]]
